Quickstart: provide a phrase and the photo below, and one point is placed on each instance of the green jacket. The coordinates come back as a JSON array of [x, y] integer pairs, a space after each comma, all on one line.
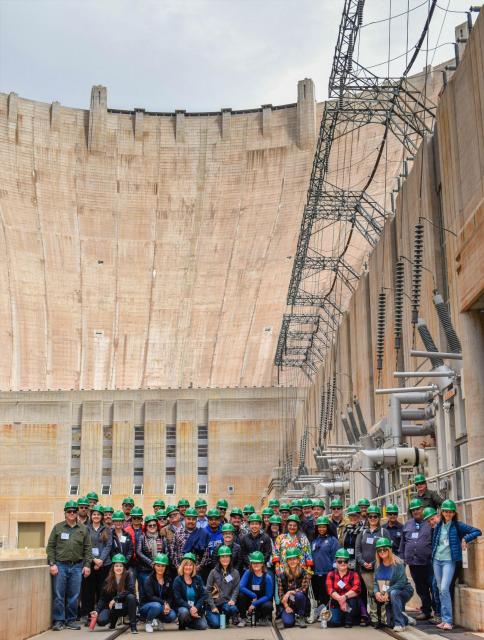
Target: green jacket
[[69, 544]]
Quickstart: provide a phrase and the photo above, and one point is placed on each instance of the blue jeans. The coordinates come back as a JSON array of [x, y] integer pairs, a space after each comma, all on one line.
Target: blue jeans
[[339, 618], [298, 605], [67, 587], [151, 610], [141, 576], [213, 619], [444, 572], [185, 619], [398, 600]]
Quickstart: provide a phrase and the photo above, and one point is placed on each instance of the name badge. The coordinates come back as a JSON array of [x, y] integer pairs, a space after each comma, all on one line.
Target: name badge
[[445, 542], [385, 587], [95, 551], [190, 603], [256, 587], [399, 533], [415, 535], [341, 584], [370, 540], [350, 551], [65, 536], [228, 578], [118, 605], [122, 538]]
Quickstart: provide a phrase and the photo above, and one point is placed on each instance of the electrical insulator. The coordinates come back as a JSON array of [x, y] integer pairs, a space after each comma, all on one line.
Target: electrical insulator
[[417, 271], [359, 12], [446, 323], [398, 301], [380, 333], [429, 343]]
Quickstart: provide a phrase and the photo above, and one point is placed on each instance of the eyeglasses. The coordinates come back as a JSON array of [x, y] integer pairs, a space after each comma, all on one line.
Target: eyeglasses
[[384, 550], [137, 518], [341, 561], [336, 508], [152, 524], [71, 511]]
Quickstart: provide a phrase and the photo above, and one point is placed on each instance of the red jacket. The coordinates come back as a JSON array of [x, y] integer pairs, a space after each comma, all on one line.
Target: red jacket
[[351, 582]]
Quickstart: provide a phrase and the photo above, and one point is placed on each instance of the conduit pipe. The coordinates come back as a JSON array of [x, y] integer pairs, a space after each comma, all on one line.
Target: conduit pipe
[[395, 456], [430, 387], [425, 429], [323, 489], [396, 400]]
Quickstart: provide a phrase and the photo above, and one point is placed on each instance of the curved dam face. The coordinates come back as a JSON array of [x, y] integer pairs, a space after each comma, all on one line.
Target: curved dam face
[[143, 250]]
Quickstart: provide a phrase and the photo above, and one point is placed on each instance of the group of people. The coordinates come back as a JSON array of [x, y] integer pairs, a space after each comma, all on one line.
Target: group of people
[[209, 568]]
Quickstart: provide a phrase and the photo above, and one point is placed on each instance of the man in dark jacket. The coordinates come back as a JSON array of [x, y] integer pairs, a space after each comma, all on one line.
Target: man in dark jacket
[[394, 527], [190, 539], [308, 523], [427, 497], [255, 540], [228, 533]]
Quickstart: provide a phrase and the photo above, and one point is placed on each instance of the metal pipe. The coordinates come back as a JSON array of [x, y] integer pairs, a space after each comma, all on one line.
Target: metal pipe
[[439, 354], [408, 456], [341, 446], [354, 427], [396, 401], [424, 374], [418, 414], [425, 429], [361, 419], [430, 387]]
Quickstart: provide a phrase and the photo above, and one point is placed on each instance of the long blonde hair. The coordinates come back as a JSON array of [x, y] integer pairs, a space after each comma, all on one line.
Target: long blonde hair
[[394, 559], [182, 565], [298, 570]]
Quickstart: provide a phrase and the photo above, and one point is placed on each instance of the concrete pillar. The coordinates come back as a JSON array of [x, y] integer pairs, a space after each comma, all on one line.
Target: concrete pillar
[[96, 139], [180, 125], [155, 440], [55, 116], [91, 447], [123, 448], [12, 107], [186, 448], [306, 114], [138, 124], [266, 120], [226, 122]]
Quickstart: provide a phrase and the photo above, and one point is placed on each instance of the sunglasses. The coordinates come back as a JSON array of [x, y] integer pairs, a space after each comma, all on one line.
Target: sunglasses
[[382, 550], [373, 517], [137, 518], [341, 561], [71, 511]]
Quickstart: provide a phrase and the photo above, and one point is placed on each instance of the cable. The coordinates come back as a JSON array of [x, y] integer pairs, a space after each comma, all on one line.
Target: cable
[[405, 53], [398, 15]]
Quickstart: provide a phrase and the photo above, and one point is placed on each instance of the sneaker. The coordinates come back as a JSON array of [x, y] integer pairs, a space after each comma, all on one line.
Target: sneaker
[[241, 623], [149, 627], [154, 624], [57, 626], [300, 622], [398, 628], [236, 620], [134, 630], [72, 624], [411, 621], [348, 625], [264, 622]]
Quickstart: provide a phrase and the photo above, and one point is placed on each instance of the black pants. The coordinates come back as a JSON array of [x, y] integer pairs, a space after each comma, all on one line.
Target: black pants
[[91, 589], [262, 611], [318, 584], [422, 576], [111, 615]]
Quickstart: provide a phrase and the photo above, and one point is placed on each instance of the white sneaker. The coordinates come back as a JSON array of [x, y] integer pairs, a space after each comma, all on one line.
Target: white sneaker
[[411, 621], [149, 627], [154, 623], [398, 628]]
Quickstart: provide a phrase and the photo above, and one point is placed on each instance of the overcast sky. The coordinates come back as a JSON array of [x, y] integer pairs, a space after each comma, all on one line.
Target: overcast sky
[[198, 55]]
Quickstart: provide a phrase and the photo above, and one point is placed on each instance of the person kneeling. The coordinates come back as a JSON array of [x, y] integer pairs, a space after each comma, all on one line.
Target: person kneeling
[[222, 589], [392, 587], [117, 596], [157, 595], [293, 585], [343, 586], [256, 592], [189, 595]]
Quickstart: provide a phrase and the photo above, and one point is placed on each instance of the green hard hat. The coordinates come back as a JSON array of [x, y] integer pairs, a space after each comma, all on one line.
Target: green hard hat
[[318, 502], [296, 504], [383, 542], [128, 500], [159, 503], [151, 517], [267, 511], [183, 502], [249, 508], [285, 507], [419, 479], [71, 504], [228, 528], [223, 550], [170, 509], [293, 552], [136, 512], [98, 507], [342, 553], [83, 501], [118, 516], [92, 495], [322, 520], [374, 509], [353, 509], [307, 502], [448, 505], [255, 517], [274, 502], [428, 512], [236, 511], [161, 558], [294, 518], [392, 508], [222, 504], [275, 519], [201, 502], [119, 557], [416, 503], [191, 513], [108, 510], [337, 502], [363, 502], [256, 556], [213, 513], [190, 556], [161, 513]]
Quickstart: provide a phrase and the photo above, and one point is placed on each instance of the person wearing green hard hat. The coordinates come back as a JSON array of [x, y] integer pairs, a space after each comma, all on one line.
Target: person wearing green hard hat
[[83, 513], [134, 525], [274, 529], [293, 584], [223, 589], [93, 498], [69, 557], [363, 503], [247, 511], [352, 528], [117, 598], [236, 520], [267, 512], [323, 548], [126, 506], [215, 539], [337, 520], [183, 504], [416, 551], [394, 526], [121, 540], [296, 507], [149, 545], [188, 538], [256, 592], [158, 504], [201, 506], [274, 504], [108, 517], [155, 608], [428, 497], [307, 518], [391, 587], [450, 538], [175, 524], [343, 586], [189, 595], [255, 540], [294, 537], [228, 534], [161, 517], [365, 555], [318, 508], [222, 505], [432, 516]]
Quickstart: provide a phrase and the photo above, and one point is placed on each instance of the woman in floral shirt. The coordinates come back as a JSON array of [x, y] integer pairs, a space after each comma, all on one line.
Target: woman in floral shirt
[[293, 539]]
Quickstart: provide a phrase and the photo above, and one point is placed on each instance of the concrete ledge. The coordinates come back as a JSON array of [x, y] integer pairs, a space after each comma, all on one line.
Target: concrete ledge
[[469, 608]]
